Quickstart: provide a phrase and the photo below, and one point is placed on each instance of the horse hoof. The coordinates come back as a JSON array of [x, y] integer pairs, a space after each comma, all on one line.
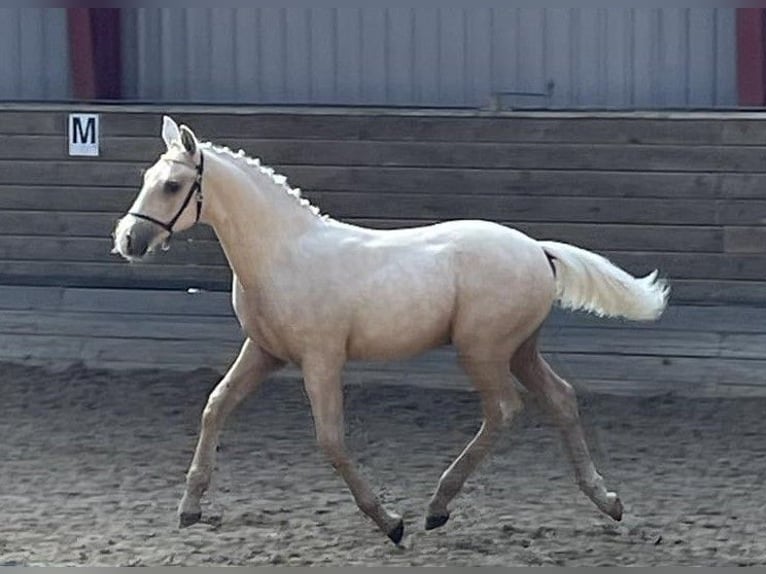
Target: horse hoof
[[397, 533], [616, 511], [436, 521], [188, 518]]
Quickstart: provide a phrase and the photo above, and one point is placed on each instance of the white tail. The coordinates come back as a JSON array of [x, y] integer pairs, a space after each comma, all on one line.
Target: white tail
[[590, 282]]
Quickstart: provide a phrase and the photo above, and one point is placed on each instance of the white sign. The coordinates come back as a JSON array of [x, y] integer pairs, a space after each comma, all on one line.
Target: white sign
[[84, 134]]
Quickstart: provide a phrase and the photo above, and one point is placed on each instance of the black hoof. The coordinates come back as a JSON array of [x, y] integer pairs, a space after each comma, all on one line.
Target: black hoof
[[436, 521], [397, 533], [189, 518]]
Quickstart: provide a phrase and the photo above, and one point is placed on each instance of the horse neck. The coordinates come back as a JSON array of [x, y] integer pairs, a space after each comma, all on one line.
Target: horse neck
[[253, 216]]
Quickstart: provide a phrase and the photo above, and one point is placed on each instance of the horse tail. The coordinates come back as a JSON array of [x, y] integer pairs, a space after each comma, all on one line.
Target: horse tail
[[589, 282]]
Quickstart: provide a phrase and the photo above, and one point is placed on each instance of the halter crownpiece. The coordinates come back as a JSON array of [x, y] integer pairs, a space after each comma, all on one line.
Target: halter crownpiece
[[194, 191]]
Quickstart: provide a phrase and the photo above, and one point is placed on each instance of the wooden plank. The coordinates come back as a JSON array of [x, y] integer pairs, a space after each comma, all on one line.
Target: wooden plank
[[77, 224], [602, 237], [725, 319], [694, 265], [32, 123], [122, 325], [497, 156], [85, 244], [669, 238], [137, 302], [214, 329], [76, 249], [685, 318], [744, 239], [622, 237], [515, 208], [740, 186], [715, 370], [590, 366], [120, 193], [502, 127], [674, 158], [66, 198], [140, 302], [34, 223], [717, 292], [522, 182], [605, 236], [68, 274], [743, 133], [631, 342], [74, 172], [751, 345], [742, 212], [94, 351], [546, 215]]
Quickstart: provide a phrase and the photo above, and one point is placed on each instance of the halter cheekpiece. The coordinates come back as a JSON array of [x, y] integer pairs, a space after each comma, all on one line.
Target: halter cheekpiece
[[194, 191]]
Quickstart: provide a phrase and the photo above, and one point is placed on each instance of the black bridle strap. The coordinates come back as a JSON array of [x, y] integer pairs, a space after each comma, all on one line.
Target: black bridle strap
[[195, 190]]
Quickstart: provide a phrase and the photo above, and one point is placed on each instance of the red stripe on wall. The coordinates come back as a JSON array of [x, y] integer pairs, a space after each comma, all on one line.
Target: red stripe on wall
[[95, 53], [751, 56], [81, 53], [107, 52]]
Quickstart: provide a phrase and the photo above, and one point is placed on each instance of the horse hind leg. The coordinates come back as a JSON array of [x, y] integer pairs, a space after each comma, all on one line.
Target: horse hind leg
[[499, 401], [559, 400]]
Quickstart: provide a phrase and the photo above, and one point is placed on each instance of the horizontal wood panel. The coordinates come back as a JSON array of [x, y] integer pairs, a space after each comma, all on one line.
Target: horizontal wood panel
[[745, 239], [694, 265], [428, 126], [630, 368], [590, 156], [582, 340], [136, 276], [67, 195], [71, 173], [515, 208], [682, 193], [78, 224], [121, 338], [726, 319], [178, 303], [121, 325], [208, 253], [98, 250], [225, 331], [75, 175], [519, 182], [604, 236], [113, 276], [717, 292], [33, 123]]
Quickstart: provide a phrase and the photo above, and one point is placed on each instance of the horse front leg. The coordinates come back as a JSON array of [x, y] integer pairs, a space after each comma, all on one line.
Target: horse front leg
[[324, 389], [246, 374]]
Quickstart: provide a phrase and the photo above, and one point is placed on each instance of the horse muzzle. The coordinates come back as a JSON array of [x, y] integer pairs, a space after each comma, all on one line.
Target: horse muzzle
[[134, 238]]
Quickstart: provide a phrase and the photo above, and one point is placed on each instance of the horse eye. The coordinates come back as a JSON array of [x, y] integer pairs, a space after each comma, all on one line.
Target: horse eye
[[172, 186]]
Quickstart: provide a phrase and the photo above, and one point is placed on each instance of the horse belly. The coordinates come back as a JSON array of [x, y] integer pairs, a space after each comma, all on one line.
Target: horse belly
[[400, 325]]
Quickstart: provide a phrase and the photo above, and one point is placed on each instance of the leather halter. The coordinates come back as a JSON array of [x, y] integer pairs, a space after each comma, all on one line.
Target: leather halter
[[194, 191]]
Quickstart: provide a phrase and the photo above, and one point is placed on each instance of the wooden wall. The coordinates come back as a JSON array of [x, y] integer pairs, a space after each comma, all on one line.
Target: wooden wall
[[684, 193]]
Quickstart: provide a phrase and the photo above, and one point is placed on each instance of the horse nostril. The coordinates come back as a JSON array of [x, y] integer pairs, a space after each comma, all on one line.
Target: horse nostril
[[128, 240]]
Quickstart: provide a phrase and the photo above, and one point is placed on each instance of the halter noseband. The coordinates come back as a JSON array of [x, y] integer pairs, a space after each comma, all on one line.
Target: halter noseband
[[195, 190]]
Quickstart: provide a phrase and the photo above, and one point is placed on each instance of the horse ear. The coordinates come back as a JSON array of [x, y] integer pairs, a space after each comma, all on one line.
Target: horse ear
[[189, 140], [170, 132]]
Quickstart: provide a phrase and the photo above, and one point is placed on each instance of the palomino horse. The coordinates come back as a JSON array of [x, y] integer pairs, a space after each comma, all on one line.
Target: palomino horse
[[316, 292]]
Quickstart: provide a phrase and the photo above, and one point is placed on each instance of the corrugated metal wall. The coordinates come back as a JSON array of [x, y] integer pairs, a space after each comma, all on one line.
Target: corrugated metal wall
[[34, 54], [618, 58]]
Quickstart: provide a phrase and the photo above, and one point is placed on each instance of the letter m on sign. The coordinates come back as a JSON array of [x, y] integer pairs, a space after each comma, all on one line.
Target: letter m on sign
[[84, 134]]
